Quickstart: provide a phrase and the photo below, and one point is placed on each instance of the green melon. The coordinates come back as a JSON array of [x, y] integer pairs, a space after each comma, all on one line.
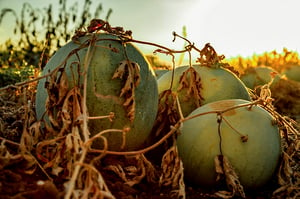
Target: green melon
[[257, 76], [292, 72], [254, 161], [103, 92], [160, 72], [217, 84]]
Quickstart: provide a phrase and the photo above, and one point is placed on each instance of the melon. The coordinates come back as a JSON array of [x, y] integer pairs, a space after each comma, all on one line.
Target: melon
[[258, 76], [104, 91], [160, 72], [249, 137], [217, 83], [292, 72]]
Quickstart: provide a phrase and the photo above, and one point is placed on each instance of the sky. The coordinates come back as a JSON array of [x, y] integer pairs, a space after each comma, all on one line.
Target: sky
[[232, 27]]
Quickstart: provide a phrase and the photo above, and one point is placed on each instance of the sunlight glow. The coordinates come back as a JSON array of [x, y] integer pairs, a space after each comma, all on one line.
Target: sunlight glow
[[233, 27]]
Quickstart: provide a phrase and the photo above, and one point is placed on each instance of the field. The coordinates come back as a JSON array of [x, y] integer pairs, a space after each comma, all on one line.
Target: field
[[52, 156]]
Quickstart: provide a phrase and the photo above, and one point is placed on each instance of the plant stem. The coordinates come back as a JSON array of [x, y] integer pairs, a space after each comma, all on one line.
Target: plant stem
[[87, 61]]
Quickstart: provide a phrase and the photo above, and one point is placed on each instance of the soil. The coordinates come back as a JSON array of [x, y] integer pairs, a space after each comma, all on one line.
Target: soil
[[24, 175], [16, 183]]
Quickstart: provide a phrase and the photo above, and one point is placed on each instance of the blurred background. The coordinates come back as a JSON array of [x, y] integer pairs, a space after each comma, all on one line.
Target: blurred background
[[31, 28]]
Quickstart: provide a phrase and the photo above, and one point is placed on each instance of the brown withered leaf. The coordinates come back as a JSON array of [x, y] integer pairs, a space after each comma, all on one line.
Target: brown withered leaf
[[60, 153], [285, 171], [168, 113], [71, 108], [30, 137], [224, 194], [224, 167], [191, 81], [143, 169], [28, 164], [35, 132], [50, 111], [25, 162], [26, 142], [6, 158], [57, 86], [63, 86], [172, 172], [265, 94], [209, 57], [52, 152], [52, 90], [130, 71], [134, 174], [89, 184], [218, 168], [118, 170], [150, 170], [73, 142]]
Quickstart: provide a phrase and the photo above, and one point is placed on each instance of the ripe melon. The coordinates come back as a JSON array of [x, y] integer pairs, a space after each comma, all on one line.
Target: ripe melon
[[254, 159], [257, 76], [217, 84], [160, 72], [292, 72], [103, 91]]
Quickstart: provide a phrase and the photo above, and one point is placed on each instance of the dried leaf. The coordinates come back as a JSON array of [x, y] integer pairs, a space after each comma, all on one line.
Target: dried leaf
[[25, 162], [143, 169], [56, 170], [172, 172], [52, 90], [168, 113], [134, 174], [180, 192], [120, 71], [6, 158], [138, 175], [191, 81], [89, 184], [28, 165], [70, 110], [285, 171], [265, 94], [35, 132], [209, 57], [218, 168], [281, 189], [130, 71], [224, 194], [117, 169], [53, 153], [150, 170], [224, 167], [50, 111], [57, 86], [232, 178], [63, 86], [26, 143], [73, 142]]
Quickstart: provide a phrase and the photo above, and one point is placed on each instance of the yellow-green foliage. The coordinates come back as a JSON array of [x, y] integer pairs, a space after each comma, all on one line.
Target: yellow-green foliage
[[277, 60]]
